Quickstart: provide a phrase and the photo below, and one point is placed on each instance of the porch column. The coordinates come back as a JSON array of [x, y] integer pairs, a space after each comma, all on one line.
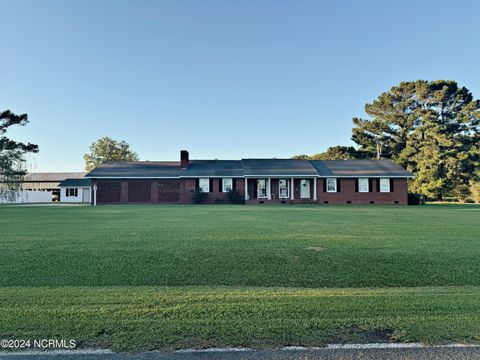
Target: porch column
[[246, 188], [314, 189], [269, 189], [292, 190]]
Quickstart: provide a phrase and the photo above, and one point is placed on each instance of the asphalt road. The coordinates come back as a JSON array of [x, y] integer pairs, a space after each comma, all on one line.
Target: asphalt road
[[333, 354]]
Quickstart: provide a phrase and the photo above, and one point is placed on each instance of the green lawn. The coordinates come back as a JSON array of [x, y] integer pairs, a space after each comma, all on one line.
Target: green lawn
[[142, 277]]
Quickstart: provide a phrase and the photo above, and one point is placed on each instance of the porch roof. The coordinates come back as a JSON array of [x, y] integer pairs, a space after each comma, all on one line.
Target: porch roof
[[278, 167]]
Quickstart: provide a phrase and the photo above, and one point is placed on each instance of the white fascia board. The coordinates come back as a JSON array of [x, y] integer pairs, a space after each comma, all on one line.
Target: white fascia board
[[201, 177], [281, 176], [253, 176], [213, 177], [132, 177], [329, 176], [367, 176]]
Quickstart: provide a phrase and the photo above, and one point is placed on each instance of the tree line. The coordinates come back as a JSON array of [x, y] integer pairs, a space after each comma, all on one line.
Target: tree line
[[432, 128]]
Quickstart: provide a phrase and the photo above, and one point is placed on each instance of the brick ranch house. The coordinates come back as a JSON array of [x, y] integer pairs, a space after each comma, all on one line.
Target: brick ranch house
[[260, 181]]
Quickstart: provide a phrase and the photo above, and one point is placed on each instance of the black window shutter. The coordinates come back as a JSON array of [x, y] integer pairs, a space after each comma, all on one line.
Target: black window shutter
[[356, 185], [391, 185], [197, 183], [76, 192], [325, 185], [66, 192], [378, 184], [234, 183], [220, 185], [370, 185], [210, 185], [339, 186]]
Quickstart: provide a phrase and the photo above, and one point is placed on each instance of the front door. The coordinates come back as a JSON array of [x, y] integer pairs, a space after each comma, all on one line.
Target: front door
[[305, 189], [86, 195]]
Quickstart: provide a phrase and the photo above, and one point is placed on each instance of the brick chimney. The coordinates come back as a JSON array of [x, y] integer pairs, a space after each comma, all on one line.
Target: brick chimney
[[183, 159]]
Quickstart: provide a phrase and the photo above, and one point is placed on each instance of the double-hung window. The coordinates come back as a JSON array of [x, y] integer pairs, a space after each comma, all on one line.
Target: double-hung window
[[363, 185], [283, 189], [384, 185], [262, 189], [204, 184], [227, 184], [331, 185]]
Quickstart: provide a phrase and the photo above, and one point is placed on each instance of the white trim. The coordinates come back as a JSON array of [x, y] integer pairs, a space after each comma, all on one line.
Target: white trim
[[332, 191], [328, 176], [368, 185], [315, 189], [282, 176], [269, 189], [136, 177], [266, 189], [387, 186], [249, 176], [287, 186], [207, 187], [224, 190], [366, 176], [307, 184], [292, 189]]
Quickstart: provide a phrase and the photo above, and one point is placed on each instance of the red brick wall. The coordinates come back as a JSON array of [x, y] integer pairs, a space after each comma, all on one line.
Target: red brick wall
[[348, 193], [240, 186], [215, 196]]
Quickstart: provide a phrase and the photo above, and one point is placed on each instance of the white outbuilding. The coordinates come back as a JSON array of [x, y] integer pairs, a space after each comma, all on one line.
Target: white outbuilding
[[76, 191]]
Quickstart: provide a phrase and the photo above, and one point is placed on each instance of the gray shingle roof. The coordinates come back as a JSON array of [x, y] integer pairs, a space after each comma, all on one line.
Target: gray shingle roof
[[50, 176], [76, 182], [277, 167], [143, 169], [251, 168], [210, 168], [359, 168]]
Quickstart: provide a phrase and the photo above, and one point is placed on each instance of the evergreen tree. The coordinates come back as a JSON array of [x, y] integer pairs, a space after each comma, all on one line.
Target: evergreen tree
[[432, 128], [12, 152], [338, 152], [394, 115]]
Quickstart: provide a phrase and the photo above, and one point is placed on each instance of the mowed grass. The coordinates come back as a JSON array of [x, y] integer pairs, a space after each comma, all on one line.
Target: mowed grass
[[167, 277], [289, 246], [178, 318]]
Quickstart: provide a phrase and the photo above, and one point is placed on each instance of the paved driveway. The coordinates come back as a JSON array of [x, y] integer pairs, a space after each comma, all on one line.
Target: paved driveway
[[333, 354]]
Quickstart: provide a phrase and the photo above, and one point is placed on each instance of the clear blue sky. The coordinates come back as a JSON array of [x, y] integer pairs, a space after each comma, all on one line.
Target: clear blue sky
[[223, 79]]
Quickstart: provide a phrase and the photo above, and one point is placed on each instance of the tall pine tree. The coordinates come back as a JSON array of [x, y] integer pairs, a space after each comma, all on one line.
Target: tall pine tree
[[432, 128], [12, 152]]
